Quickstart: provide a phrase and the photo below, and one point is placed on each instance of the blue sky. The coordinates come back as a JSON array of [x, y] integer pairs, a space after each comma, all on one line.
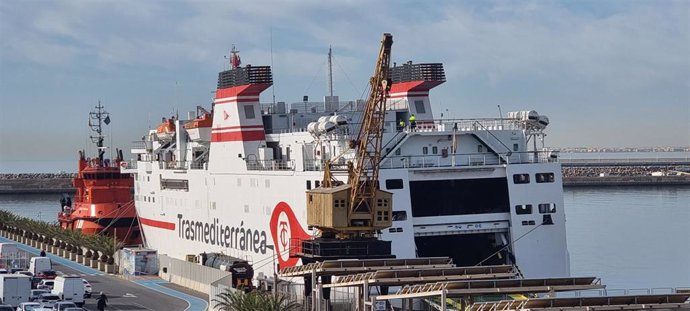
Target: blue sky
[[607, 73]]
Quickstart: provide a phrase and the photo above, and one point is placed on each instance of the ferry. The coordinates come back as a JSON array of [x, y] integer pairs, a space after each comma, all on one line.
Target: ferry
[[233, 180], [104, 200]]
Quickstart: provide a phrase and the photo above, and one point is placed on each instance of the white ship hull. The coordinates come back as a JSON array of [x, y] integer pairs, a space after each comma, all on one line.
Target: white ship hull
[[468, 189]]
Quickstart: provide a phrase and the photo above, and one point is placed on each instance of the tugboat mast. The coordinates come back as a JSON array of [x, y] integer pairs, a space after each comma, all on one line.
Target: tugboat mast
[[96, 120]]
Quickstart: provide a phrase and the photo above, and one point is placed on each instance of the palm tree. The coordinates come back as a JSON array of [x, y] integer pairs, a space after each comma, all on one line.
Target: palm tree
[[237, 300]]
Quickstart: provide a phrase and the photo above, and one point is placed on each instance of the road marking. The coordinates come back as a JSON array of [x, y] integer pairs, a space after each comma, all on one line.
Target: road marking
[[193, 303], [134, 303], [128, 295]]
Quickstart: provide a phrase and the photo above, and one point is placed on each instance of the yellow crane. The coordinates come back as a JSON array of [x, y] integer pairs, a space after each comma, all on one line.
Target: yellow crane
[[350, 214]]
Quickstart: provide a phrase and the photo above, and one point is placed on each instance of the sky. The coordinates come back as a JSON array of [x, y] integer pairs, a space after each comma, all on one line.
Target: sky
[[607, 73]]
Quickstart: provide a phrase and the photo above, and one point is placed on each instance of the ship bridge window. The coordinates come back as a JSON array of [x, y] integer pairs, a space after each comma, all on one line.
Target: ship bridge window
[[459, 197], [419, 106], [392, 184], [308, 184], [523, 209], [399, 215], [521, 178], [545, 177], [249, 112], [547, 208]]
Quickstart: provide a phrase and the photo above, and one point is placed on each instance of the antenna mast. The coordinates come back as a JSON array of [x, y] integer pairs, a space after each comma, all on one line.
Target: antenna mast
[[330, 71], [96, 120]]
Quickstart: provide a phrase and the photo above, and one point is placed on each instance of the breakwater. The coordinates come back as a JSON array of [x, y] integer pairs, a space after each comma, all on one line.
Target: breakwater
[[573, 176], [36, 183]]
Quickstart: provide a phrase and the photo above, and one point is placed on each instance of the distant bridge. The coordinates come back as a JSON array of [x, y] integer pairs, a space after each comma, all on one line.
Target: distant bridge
[[625, 162]]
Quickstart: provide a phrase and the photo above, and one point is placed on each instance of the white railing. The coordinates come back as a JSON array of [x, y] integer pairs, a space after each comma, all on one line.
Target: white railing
[[270, 165], [469, 160]]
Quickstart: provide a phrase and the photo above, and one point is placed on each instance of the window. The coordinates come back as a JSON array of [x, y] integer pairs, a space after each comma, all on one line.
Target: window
[[545, 177], [308, 184], [515, 147], [419, 106], [317, 183], [425, 150], [521, 178], [523, 209], [434, 150], [249, 112], [394, 184], [528, 223], [397, 151], [547, 208], [393, 230], [399, 215], [339, 203], [480, 148]]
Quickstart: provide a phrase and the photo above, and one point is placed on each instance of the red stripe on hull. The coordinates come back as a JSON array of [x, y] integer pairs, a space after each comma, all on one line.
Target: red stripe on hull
[[238, 100], [242, 90], [409, 95], [238, 127], [157, 223], [413, 86], [238, 136]]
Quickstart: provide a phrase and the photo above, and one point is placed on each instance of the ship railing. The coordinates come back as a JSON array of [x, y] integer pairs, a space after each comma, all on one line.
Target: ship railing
[[464, 125], [270, 165], [467, 160]]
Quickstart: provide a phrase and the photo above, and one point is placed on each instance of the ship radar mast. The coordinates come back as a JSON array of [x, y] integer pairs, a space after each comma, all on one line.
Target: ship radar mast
[[96, 120], [235, 60]]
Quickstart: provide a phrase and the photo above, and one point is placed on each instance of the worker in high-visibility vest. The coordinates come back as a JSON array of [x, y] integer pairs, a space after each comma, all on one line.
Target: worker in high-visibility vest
[[401, 125], [413, 122]]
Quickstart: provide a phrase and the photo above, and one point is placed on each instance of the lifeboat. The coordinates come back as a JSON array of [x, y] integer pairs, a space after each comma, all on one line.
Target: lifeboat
[[199, 129], [166, 130]]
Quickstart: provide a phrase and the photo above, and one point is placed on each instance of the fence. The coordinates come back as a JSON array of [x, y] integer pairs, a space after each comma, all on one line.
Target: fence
[[189, 274]]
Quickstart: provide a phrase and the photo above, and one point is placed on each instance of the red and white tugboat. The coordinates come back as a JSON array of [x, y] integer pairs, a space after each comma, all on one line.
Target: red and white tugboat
[[104, 201]]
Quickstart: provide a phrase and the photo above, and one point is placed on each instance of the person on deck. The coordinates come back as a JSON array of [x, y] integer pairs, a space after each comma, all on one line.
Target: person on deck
[[413, 122]]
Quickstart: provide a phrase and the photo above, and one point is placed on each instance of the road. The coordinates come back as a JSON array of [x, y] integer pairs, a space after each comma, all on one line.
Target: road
[[150, 293]]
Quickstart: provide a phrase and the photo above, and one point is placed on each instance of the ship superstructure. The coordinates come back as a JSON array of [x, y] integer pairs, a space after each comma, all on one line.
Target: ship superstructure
[[470, 189], [103, 202]]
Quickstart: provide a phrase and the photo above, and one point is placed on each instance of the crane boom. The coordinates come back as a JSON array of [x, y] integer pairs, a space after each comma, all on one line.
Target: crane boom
[[368, 153], [358, 209]]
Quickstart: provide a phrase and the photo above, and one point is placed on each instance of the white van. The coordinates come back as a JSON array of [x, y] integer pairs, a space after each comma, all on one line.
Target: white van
[[14, 289], [39, 264], [69, 288]]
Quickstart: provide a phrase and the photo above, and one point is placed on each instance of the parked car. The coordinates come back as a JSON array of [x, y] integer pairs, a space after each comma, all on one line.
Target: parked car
[[47, 300], [47, 274], [24, 272], [3, 271], [37, 292], [14, 270], [28, 306], [6, 308], [87, 288], [62, 305], [46, 284]]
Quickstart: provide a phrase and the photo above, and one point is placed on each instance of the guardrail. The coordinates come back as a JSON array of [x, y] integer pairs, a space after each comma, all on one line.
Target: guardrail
[[270, 165], [619, 292]]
